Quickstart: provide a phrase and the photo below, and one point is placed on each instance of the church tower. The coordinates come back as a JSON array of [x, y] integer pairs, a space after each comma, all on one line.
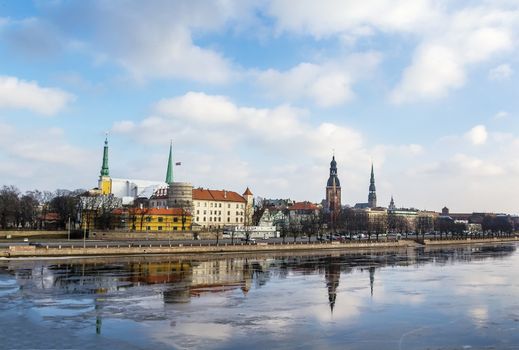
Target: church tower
[[372, 197], [105, 183], [333, 192]]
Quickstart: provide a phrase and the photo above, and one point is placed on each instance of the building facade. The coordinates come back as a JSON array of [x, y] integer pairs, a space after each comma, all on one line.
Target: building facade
[[218, 208]]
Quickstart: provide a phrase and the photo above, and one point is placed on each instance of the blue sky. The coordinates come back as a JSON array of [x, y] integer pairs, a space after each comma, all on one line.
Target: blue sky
[[259, 93]]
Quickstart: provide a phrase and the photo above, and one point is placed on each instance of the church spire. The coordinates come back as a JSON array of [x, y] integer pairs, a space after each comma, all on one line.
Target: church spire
[[372, 197], [169, 172], [104, 168]]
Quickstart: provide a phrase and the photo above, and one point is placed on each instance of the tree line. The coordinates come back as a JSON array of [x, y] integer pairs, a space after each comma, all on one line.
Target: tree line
[[30, 210]]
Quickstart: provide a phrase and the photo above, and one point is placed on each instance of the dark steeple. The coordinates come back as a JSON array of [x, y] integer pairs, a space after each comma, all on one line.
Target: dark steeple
[[333, 180], [392, 204], [104, 167], [372, 197]]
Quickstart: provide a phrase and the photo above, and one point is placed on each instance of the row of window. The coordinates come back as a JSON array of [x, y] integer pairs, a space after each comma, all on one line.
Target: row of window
[[148, 228], [217, 219], [219, 205], [159, 219]]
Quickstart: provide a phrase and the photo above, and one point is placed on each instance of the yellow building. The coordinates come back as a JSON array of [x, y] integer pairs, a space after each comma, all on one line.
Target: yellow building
[[153, 219]]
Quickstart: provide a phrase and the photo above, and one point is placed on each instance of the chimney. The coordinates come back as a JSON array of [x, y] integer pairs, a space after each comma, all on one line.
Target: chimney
[[224, 194]]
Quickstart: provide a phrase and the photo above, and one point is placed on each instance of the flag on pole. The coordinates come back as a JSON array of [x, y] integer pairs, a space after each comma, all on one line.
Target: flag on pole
[[178, 163]]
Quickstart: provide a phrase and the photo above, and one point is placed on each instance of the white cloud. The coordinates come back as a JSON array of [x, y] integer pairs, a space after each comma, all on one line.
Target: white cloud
[[478, 135], [501, 115], [501, 72], [199, 107], [329, 17], [154, 40], [450, 39], [327, 84], [16, 93], [435, 69], [43, 158]]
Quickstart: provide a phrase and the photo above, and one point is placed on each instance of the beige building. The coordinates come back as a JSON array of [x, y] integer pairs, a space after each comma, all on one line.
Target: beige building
[[219, 208], [212, 208]]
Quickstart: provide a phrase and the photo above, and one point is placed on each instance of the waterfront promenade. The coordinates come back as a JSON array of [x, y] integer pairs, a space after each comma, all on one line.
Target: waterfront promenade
[[109, 248]]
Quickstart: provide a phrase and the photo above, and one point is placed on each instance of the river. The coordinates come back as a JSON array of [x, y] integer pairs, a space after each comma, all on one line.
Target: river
[[463, 297]]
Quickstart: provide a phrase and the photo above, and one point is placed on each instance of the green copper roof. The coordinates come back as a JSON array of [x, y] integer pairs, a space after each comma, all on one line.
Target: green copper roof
[[104, 169], [169, 172]]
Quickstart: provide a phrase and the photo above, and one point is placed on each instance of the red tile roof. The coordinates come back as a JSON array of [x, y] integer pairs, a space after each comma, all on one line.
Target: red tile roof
[[203, 194], [303, 206], [247, 192]]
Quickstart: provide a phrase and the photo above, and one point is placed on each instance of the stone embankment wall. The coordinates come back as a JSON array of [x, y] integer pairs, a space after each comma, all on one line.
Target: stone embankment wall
[[468, 241], [32, 233], [31, 251]]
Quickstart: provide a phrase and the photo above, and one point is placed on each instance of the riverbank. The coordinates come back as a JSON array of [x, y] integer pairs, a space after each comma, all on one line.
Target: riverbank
[[129, 249]]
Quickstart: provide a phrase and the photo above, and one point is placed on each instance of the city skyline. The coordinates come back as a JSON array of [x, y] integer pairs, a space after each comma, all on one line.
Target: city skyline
[[259, 94]]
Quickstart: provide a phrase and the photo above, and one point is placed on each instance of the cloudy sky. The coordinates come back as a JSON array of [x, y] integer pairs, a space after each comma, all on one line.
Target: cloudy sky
[[260, 93]]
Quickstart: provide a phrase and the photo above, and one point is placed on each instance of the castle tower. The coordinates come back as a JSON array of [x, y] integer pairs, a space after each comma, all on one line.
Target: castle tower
[[180, 194], [249, 197], [105, 183], [333, 192], [372, 197]]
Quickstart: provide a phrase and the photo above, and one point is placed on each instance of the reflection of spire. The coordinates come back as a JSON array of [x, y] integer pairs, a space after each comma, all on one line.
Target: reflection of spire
[[332, 276], [99, 319], [371, 278]]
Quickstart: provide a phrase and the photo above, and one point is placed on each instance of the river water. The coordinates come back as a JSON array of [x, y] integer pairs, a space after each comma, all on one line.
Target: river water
[[427, 298]]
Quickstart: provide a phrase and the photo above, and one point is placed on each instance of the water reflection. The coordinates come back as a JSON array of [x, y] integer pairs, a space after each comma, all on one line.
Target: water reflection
[[217, 298]]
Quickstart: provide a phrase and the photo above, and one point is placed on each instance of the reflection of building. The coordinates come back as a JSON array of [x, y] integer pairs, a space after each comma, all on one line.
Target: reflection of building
[[332, 274]]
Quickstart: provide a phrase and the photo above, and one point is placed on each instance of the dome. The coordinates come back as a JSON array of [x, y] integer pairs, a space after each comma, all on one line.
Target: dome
[[331, 180]]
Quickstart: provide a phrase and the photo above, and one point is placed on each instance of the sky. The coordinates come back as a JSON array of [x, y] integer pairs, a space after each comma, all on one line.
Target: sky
[[262, 93]]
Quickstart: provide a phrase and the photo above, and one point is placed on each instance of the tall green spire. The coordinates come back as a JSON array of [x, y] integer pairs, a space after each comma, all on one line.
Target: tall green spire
[[169, 172], [104, 168]]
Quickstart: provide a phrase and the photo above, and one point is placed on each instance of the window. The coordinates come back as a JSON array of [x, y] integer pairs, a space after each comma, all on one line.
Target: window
[[241, 219], [198, 211], [219, 212], [148, 228], [148, 218], [161, 219], [160, 228], [210, 218], [219, 219], [204, 218], [175, 228], [175, 219], [236, 206], [204, 212], [205, 204], [228, 205], [228, 219], [220, 205], [228, 213], [211, 205], [197, 204], [197, 218]]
